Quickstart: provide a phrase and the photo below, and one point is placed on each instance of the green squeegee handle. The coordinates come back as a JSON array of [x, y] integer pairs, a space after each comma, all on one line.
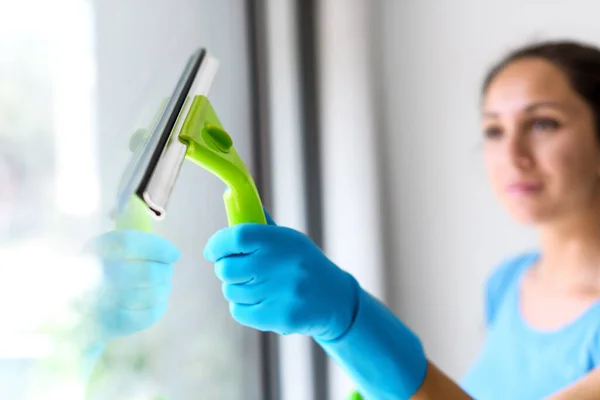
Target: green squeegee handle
[[211, 147]]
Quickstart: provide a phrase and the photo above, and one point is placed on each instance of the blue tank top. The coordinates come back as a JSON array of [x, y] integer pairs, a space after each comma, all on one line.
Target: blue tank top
[[518, 362]]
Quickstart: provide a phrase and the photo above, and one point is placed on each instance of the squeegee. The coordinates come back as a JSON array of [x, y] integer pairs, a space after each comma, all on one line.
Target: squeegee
[[187, 127]]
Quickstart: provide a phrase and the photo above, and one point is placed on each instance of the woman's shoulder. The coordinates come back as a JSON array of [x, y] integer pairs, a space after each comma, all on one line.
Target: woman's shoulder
[[503, 278]]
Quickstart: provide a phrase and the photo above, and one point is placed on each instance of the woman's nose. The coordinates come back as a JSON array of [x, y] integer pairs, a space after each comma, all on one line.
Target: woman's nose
[[518, 150]]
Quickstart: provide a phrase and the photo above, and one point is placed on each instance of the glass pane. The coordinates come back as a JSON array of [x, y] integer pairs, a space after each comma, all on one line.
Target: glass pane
[[76, 80]]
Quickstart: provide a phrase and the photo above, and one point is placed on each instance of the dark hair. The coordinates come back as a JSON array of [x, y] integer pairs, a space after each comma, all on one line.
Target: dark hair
[[580, 62]]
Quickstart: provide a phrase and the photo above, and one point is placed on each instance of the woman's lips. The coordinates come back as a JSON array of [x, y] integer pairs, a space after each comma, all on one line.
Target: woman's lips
[[524, 188]]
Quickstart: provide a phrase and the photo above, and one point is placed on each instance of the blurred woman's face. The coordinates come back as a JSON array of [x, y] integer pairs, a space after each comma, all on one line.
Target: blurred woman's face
[[541, 152]]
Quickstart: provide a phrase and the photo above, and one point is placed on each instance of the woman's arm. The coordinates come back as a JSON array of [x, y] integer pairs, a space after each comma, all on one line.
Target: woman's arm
[[386, 359], [438, 386]]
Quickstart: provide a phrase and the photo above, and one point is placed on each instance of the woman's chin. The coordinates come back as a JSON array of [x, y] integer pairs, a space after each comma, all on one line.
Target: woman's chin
[[528, 216]]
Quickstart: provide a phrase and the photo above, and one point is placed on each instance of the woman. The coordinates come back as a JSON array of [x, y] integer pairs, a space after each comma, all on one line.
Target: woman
[[541, 120]]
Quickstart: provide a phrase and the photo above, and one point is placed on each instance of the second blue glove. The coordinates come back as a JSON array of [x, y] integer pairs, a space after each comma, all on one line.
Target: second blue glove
[[276, 279], [137, 268]]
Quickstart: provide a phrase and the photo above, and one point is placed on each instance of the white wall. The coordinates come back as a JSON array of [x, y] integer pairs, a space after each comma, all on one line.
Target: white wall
[[445, 231]]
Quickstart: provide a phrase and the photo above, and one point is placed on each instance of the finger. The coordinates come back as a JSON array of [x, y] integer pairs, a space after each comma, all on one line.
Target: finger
[[137, 274], [237, 268], [238, 239], [247, 293], [275, 315], [138, 299], [125, 244], [250, 315]]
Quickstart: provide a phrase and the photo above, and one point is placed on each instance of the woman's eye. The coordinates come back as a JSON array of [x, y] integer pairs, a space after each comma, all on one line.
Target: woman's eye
[[545, 124], [492, 132]]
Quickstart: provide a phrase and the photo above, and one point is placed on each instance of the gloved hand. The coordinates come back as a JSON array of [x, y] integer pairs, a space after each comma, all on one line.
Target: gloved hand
[[276, 279], [137, 269]]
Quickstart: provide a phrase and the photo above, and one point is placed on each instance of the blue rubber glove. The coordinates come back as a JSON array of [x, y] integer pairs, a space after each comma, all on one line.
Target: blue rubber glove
[[383, 357], [276, 279], [137, 269]]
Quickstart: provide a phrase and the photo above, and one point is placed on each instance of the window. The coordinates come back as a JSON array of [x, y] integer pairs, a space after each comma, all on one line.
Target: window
[[76, 79]]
